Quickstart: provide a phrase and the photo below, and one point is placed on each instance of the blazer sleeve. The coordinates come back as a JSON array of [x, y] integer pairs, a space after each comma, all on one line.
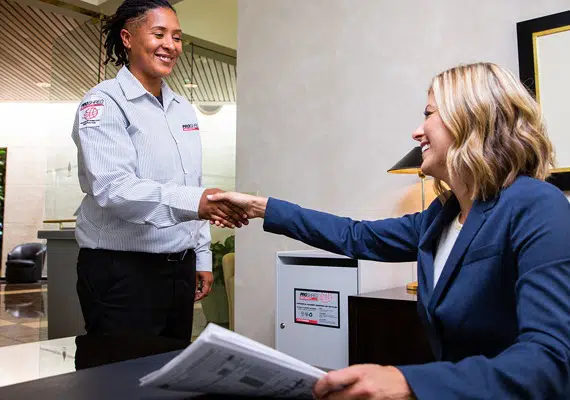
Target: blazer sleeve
[[537, 365], [388, 240]]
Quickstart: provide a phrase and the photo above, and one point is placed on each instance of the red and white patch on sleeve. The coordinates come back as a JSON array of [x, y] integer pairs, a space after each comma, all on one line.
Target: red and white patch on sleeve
[[91, 112]]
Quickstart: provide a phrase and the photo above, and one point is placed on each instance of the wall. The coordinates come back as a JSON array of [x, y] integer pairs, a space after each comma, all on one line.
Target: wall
[[214, 21], [34, 133], [329, 94]]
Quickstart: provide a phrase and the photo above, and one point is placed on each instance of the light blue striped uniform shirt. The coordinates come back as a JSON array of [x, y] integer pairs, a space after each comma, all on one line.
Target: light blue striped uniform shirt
[[140, 167]]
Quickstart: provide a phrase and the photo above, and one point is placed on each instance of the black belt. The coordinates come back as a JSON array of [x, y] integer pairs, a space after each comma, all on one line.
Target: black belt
[[177, 257], [169, 257]]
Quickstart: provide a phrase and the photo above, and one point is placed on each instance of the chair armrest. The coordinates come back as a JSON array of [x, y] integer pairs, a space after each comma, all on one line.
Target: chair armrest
[[20, 263], [40, 257]]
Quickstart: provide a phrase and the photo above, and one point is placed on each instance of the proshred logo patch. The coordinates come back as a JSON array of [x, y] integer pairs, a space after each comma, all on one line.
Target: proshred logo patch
[[190, 127], [90, 113]]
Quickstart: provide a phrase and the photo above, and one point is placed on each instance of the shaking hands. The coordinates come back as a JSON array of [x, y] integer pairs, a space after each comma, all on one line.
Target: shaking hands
[[241, 207]]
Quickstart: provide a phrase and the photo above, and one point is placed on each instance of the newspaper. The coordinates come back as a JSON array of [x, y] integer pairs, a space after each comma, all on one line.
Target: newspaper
[[223, 362]]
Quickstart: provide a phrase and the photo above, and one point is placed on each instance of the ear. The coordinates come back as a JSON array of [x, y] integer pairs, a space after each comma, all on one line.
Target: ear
[[126, 37]]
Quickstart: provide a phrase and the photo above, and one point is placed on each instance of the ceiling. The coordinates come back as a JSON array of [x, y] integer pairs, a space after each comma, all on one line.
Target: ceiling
[[41, 47]]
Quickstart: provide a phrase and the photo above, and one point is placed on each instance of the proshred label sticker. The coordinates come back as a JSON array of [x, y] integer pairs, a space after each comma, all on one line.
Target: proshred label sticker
[[91, 112], [190, 127], [317, 307]]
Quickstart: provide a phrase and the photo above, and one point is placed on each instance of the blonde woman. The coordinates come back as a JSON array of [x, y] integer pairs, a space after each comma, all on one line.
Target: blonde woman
[[492, 252]]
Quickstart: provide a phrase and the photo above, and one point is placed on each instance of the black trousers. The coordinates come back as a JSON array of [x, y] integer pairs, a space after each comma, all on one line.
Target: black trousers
[[142, 293]]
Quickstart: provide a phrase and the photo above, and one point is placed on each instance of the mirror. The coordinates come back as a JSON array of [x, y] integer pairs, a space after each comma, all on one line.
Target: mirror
[[544, 66]]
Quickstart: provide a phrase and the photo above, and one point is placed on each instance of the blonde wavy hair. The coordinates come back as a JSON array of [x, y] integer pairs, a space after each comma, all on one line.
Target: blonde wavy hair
[[497, 126]]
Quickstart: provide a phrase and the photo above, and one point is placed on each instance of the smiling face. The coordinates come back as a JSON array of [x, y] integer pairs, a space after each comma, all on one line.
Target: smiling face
[[154, 43], [435, 140]]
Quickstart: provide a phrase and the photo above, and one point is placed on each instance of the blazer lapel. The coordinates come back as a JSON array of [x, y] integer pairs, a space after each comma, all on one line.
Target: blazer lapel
[[474, 221], [428, 242]]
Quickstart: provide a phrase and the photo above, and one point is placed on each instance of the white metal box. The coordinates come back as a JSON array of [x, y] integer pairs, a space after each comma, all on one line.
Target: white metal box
[[312, 301]]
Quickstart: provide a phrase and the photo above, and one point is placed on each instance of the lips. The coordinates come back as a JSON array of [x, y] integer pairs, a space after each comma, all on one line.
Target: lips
[[425, 147], [164, 57]]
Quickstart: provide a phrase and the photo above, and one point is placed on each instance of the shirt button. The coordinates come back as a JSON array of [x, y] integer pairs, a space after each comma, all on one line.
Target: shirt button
[[192, 235]]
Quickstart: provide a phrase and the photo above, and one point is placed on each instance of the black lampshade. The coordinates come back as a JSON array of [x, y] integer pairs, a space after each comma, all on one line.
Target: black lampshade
[[410, 163]]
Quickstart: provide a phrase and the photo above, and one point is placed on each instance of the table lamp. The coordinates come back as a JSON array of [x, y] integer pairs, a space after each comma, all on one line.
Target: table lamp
[[410, 164]]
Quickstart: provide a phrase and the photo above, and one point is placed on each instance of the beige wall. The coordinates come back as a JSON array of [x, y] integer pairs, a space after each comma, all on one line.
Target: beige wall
[[37, 136], [212, 20], [25, 170], [329, 93]]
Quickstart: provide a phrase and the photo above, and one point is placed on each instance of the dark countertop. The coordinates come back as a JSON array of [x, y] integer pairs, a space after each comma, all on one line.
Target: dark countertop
[[66, 233], [108, 367]]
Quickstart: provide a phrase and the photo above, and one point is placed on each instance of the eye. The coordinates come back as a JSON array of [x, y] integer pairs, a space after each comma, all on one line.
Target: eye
[[159, 35], [177, 39], [427, 113]]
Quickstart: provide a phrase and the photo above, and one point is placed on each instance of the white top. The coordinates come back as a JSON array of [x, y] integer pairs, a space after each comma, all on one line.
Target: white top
[[140, 167], [446, 241]]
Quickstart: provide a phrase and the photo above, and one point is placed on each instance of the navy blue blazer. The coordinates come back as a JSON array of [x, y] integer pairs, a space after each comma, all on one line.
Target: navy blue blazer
[[499, 317]]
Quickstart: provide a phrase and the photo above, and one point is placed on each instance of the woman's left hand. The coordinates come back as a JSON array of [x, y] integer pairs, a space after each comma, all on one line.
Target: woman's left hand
[[365, 381], [204, 281]]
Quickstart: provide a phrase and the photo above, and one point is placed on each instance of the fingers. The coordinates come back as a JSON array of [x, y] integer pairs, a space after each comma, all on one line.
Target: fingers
[[221, 222], [335, 381], [206, 287], [218, 196], [230, 214], [227, 198], [198, 295], [221, 214], [222, 211], [241, 203], [204, 281], [238, 210]]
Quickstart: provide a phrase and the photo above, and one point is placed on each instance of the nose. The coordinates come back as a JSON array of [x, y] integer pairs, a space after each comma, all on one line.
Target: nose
[[168, 43], [418, 133]]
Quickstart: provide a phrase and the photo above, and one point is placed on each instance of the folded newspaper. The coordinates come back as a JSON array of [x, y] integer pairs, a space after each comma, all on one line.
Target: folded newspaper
[[223, 362]]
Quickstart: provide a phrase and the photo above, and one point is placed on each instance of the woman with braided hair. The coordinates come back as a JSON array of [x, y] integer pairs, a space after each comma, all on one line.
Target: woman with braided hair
[[144, 244]]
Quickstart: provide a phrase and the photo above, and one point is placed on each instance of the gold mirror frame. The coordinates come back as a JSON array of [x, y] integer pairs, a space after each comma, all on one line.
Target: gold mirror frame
[[528, 33]]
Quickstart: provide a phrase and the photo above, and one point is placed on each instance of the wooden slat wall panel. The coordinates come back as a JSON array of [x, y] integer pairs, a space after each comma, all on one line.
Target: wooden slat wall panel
[[40, 46]]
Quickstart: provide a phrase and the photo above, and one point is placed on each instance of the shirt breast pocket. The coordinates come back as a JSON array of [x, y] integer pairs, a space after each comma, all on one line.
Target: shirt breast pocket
[[191, 151], [155, 155], [481, 253]]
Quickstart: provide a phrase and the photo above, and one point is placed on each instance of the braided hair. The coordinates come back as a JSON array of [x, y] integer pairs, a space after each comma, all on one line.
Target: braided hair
[[127, 12]]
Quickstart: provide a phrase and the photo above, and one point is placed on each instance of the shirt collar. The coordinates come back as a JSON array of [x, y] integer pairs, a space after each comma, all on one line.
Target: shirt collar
[[168, 95], [133, 88]]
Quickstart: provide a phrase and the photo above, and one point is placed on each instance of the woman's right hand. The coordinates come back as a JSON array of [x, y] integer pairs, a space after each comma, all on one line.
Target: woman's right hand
[[253, 206]]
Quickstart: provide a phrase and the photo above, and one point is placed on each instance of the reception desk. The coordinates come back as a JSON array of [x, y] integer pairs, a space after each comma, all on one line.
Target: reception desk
[[384, 328], [64, 313]]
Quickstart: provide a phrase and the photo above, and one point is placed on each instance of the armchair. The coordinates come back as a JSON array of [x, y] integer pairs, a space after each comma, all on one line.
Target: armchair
[[228, 264], [25, 262]]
